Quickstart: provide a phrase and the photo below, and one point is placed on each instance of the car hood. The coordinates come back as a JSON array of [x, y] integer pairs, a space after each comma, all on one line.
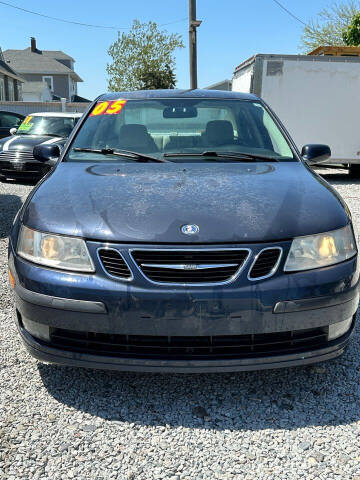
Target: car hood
[[26, 142], [149, 202]]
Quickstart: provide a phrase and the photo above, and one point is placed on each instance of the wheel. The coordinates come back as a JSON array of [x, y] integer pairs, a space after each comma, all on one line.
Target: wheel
[[354, 170]]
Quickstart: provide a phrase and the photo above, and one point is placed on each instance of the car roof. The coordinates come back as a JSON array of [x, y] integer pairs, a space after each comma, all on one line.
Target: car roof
[[56, 114], [177, 93], [13, 113]]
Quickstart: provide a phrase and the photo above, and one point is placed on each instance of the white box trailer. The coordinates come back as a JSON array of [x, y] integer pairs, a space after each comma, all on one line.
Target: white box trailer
[[316, 97]]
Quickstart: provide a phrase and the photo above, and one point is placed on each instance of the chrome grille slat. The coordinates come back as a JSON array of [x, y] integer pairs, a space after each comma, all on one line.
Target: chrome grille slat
[[190, 266], [20, 155]]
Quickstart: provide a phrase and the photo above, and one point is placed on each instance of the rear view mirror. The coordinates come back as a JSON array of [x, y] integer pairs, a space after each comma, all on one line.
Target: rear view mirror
[[180, 112], [315, 153], [13, 131], [47, 153]]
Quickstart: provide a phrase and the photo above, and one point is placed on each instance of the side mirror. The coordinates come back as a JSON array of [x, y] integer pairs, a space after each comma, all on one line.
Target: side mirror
[[47, 153], [315, 153], [13, 131]]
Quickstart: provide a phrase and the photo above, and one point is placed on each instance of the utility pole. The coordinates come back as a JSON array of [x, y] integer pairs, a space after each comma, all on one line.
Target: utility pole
[[193, 25]]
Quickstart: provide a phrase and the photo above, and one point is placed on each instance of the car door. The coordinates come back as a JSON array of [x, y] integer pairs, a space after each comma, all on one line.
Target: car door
[[9, 120]]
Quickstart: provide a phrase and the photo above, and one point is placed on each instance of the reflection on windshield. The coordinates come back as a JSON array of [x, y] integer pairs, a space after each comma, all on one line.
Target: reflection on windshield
[[56, 126], [181, 126]]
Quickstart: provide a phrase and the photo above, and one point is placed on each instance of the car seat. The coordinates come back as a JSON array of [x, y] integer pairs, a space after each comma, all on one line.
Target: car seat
[[135, 137]]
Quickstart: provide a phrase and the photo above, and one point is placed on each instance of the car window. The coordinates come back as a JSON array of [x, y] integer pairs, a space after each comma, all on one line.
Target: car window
[[38, 125], [9, 120], [189, 126]]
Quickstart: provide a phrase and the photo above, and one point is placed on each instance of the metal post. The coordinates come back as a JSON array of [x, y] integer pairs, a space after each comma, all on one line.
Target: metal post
[[193, 24]]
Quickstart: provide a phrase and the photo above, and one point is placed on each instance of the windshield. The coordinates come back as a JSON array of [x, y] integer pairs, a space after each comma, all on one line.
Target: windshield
[[53, 126], [167, 127]]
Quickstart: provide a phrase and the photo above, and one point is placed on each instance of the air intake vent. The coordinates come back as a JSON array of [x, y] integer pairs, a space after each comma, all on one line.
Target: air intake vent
[[167, 347], [202, 266], [266, 263], [114, 264]]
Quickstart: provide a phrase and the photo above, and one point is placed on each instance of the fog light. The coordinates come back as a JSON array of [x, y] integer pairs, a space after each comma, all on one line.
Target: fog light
[[338, 329], [12, 279]]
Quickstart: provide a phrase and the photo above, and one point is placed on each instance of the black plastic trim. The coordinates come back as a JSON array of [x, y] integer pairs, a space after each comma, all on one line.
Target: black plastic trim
[[58, 302], [313, 303]]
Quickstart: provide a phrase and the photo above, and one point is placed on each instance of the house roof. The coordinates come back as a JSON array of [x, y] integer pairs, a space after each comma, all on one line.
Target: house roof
[[26, 61], [5, 69], [337, 51], [78, 99], [57, 54], [218, 84]]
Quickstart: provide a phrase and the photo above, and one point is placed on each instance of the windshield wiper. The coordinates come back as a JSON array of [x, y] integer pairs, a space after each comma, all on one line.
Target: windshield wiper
[[138, 157], [245, 157]]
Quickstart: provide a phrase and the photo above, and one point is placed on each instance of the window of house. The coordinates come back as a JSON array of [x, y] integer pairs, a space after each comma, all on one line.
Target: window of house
[[2, 89], [73, 86], [11, 90], [50, 81], [19, 91]]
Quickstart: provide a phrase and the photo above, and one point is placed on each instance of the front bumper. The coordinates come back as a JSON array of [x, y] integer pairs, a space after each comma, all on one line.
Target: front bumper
[[48, 354], [49, 300], [23, 169]]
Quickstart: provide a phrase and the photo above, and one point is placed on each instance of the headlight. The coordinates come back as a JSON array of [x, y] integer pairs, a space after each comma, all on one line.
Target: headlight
[[321, 250], [57, 251]]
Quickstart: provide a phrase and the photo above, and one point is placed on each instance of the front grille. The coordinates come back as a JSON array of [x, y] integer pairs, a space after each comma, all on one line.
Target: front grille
[[190, 266], [265, 263], [17, 155], [236, 346], [114, 264], [20, 162]]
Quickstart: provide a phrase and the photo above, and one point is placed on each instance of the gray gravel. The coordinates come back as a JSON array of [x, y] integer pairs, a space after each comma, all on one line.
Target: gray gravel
[[63, 423]]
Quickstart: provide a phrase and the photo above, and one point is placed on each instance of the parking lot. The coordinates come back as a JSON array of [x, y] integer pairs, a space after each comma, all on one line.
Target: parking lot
[[60, 423]]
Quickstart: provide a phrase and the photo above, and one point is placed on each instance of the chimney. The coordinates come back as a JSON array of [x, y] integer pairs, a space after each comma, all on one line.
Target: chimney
[[33, 44]]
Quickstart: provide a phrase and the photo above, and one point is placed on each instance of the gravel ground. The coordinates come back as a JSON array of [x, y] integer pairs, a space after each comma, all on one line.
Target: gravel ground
[[63, 423]]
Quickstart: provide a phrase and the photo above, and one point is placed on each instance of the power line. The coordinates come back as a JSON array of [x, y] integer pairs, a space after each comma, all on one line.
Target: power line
[[80, 23], [175, 21], [290, 13]]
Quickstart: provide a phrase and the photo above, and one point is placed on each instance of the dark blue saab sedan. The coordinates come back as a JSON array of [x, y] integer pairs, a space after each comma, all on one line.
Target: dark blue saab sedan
[[182, 231]]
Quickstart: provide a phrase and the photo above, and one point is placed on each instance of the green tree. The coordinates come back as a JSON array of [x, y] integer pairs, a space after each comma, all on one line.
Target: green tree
[[158, 79], [144, 53], [351, 35], [328, 27]]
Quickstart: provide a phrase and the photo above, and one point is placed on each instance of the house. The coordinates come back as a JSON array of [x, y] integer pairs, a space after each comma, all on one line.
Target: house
[[336, 51], [54, 67], [223, 85], [10, 82]]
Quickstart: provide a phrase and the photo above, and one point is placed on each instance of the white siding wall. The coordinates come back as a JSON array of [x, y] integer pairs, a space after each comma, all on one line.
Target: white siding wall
[[242, 80]]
